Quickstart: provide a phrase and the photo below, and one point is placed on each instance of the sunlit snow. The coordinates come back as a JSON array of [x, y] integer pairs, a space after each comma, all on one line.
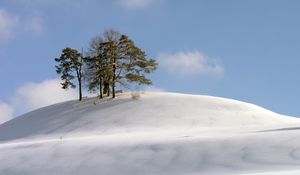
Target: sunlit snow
[[159, 134]]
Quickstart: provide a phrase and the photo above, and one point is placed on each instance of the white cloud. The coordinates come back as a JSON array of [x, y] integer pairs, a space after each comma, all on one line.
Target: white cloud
[[34, 24], [9, 24], [135, 4], [190, 63], [6, 112], [35, 95], [12, 24]]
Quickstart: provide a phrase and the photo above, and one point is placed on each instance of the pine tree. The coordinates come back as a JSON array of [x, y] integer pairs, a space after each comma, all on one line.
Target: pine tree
[[112, 54], [135, 63], [116, 59], [70, 67], [93, 66], [98, 69], [128, 63]]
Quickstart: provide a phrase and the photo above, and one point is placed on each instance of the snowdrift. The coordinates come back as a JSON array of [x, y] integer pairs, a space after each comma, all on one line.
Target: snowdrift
[[161, 133]]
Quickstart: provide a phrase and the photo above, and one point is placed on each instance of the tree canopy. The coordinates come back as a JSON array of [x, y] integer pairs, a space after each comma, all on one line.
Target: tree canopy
[[111, 59], [70, 67]]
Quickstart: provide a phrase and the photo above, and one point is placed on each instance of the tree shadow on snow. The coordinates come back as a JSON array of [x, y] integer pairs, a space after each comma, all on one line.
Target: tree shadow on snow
[[281, 129]]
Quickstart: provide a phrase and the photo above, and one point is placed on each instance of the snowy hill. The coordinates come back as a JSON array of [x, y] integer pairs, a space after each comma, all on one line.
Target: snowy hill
[[161, 133]]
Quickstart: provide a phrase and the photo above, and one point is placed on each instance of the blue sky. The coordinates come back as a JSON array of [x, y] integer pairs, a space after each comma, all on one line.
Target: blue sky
[[246, 50]]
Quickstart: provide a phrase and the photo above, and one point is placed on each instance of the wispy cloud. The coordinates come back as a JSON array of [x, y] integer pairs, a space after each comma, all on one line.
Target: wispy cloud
[[34, 25], [35, 95], [190, 63], [31, 96], [13, 24], [6, 112], [135, 4], [9, 24]]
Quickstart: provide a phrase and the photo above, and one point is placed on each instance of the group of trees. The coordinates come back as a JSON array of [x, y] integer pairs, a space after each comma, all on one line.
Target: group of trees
[[110, 59]]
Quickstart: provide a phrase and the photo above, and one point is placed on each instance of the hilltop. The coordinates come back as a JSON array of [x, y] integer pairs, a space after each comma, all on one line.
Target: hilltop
[[160, 133]]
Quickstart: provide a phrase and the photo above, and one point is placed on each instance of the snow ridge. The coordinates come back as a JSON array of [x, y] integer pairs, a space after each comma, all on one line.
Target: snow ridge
[[161, 133]]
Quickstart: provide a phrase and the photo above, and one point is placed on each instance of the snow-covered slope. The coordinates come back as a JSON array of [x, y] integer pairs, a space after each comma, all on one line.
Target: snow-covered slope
[[161, 133]]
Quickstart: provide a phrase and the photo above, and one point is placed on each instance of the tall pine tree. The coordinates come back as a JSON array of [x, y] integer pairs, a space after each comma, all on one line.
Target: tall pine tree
[[70, 67], [134, 62], [112, 54], [116, 59], [98, 68]]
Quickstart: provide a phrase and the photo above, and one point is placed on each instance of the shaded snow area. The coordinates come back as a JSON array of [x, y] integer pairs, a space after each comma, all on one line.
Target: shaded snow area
[[159, 134]]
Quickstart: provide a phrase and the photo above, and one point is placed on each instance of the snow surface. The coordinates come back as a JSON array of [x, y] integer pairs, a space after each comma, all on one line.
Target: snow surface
[[159, 134]]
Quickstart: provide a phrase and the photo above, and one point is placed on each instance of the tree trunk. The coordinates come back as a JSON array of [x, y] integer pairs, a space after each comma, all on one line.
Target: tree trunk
[[80, 90], [79, 77], [100, 83], [108, 90], [113, 90], [114, 81]]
